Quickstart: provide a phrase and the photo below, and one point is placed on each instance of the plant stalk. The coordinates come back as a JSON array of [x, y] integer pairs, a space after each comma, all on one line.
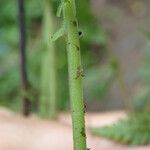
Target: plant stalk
[[48, 98], [23, 67], [75, 75]]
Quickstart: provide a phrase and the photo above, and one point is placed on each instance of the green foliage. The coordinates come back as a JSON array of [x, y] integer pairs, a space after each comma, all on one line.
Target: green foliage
[[6, 79], [8, 13], [141, 100], [144, 71], [147, 33], [98, 80], [9, 57], [135, 130], [62, 71], [92, 32], [132, 131]]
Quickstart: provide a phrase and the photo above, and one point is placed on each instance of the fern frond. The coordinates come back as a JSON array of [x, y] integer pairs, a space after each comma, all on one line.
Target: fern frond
[[132, 131]]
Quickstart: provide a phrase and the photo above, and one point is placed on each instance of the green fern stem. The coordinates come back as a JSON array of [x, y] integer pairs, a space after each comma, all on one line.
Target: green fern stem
[[75, 75]]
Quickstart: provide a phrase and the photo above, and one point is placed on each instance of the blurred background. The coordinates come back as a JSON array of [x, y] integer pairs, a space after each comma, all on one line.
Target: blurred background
[[115, 50], [115, 53]]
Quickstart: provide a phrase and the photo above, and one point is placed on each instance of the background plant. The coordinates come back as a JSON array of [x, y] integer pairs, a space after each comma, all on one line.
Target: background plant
[[135, 129], [92, 36], [48, 99]]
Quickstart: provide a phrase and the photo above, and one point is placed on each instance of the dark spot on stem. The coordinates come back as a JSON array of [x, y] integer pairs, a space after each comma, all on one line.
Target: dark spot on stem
[[80, 33], [83, 132], [75, 23], [79, 72], [78, 48]]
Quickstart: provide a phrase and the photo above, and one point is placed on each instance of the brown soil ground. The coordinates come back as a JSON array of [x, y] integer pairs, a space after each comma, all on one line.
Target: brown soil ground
[[18, 133]]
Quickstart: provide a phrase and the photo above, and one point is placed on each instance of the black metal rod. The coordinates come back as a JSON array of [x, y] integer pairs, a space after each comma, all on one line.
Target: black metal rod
[[23, 67]]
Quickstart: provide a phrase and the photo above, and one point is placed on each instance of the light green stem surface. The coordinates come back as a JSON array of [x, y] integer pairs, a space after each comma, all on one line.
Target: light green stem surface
[[48, 96], [75, 75]]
